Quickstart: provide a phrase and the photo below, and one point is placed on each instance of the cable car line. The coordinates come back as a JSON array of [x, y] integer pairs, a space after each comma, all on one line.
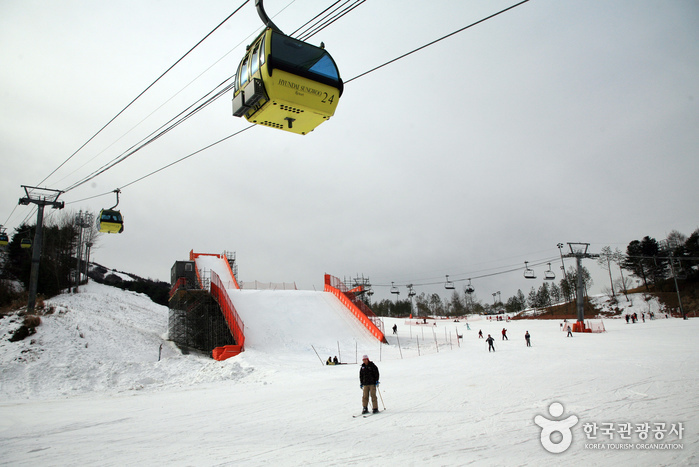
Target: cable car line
[[131, 150], [326, 21], [142, 93], [437, 40], [153, 136], [104, 169], [190, 155], [312, 19]]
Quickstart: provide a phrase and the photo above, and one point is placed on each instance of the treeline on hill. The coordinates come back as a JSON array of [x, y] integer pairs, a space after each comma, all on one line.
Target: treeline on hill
[[653, 264], [158, 291], [63, 238]]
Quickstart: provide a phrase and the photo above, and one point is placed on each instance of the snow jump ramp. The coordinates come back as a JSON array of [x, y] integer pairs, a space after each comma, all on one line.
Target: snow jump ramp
[[293, 322]]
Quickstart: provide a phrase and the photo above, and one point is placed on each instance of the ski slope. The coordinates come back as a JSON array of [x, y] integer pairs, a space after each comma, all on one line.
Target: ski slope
[[294, 323], [90, 389]]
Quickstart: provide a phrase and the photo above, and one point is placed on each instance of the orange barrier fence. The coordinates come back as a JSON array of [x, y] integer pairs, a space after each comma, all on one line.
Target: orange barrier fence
[[235, 324], [362, 312]]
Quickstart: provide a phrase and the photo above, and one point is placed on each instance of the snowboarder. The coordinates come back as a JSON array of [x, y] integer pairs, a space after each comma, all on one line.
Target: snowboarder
[[480, 334], [395, 329], [504, 334], [526, 338], [490, 341], [368, 382], [468, 327], [570, 334], [335, 360]]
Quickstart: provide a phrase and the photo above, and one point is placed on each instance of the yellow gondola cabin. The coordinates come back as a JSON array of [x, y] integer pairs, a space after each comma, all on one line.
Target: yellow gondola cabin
[[286, 83]]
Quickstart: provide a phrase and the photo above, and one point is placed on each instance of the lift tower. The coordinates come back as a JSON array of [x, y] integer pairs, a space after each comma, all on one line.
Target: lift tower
[[579, 251], [41, 197]]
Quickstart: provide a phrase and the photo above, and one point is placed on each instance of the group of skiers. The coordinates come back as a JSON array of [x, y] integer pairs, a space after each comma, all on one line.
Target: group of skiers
[[491, 341]]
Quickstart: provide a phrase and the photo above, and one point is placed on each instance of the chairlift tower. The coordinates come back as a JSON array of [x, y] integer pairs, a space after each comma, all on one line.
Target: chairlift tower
[[579, 251], [82, 221], [42, 197]]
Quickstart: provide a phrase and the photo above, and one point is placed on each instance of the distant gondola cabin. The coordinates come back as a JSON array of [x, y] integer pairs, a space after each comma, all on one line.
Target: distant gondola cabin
[[286, 83], [4, 239], [110, 221], [25, 243]]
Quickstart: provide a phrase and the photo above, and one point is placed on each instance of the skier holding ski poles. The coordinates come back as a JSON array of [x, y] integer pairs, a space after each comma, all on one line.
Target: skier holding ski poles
[[368, 381]]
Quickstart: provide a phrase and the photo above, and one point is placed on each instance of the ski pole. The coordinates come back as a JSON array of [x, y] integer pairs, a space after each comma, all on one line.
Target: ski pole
[[381, 397]]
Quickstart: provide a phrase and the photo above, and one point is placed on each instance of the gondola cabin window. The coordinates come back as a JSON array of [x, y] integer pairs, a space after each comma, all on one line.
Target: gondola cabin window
[[255, 62], [243, 73]]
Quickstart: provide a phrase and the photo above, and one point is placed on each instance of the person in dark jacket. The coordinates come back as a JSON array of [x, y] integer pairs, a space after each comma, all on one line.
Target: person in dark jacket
[[368, 381], [490, 341]]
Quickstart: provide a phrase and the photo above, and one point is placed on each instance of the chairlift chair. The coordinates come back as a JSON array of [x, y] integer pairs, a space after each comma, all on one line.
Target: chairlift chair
[[394, 289], [528, 272], [411, 291], [549, 275], [449, 285], [469, 288]]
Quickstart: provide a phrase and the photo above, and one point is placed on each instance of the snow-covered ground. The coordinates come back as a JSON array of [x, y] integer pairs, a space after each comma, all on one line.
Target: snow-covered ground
[[88, 389]]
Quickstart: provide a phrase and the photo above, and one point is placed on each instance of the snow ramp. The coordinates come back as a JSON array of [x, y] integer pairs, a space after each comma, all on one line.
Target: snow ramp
[[284, 322]]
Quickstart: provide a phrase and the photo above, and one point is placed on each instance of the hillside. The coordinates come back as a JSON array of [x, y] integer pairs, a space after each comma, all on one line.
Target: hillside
[[89, 389]]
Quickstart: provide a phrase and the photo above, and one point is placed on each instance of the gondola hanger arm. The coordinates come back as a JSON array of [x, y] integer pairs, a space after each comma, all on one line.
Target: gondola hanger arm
[[117, 191], [263, 16]]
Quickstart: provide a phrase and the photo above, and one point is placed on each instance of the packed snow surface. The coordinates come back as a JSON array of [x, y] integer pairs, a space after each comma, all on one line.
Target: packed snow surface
[[89, 389]]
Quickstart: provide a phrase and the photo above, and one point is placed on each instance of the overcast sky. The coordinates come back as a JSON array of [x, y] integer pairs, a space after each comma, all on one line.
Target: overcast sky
[[558, 121]]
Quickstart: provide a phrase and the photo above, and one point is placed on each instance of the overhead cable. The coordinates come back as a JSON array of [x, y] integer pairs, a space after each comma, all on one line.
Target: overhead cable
[[437, 40], [142, 93]]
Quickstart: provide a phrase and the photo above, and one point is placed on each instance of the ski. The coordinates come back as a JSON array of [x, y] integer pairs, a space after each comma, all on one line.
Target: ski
[[365, 415]]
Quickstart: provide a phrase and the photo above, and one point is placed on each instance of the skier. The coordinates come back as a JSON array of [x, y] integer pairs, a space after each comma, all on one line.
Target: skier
[[490, 341], [480, 334], [368, 382], [395, 329], [570, 334], [504, 334], [526, 338]]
